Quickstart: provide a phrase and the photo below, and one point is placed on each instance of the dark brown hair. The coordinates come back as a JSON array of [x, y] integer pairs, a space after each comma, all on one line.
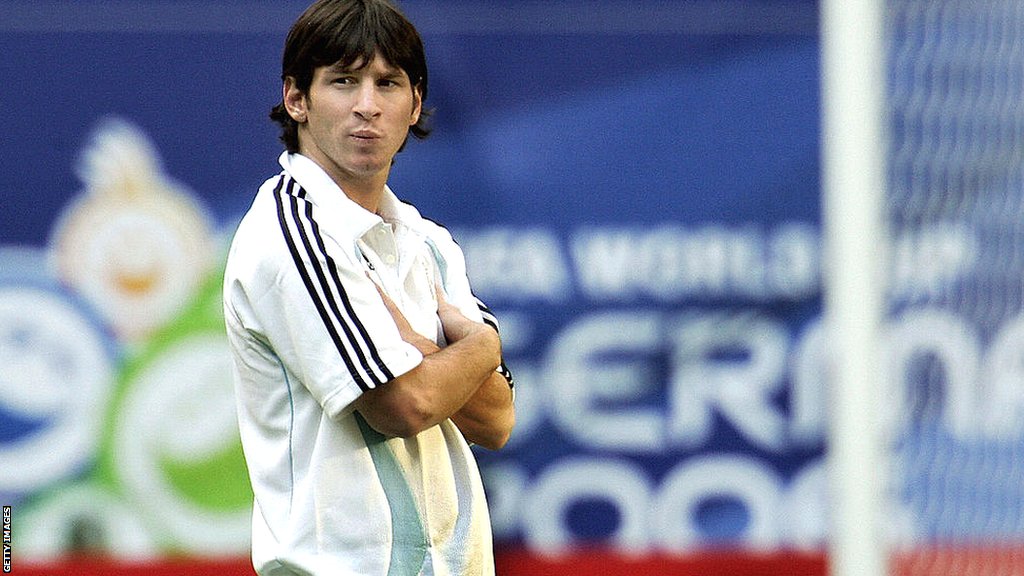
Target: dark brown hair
[[344, 32]]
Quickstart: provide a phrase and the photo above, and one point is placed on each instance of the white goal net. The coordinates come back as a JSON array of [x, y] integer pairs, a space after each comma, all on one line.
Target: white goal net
[[923, 149], [954, 337]]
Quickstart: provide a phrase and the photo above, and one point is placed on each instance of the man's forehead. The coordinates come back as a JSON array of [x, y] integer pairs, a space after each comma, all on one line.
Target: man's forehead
[[360, 63]]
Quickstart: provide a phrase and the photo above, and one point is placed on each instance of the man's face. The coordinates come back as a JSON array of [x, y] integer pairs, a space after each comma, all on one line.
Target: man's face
[[354, 120]]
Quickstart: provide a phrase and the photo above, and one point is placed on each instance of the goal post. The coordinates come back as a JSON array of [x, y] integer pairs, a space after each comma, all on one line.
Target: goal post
[[854, 242], [923, 235]]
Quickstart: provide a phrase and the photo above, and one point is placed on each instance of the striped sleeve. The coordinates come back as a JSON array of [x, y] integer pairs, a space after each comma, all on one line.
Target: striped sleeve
[[451, 266], [324, 288], [491, 320]]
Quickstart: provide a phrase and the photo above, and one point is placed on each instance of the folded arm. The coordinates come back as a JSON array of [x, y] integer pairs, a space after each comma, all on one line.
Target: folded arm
[[457, 382], [488, 417]]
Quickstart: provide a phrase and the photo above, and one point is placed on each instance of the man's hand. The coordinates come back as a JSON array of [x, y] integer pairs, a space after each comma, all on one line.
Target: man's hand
[[457, 382], [488, 416], [405, 330], [456, 325]]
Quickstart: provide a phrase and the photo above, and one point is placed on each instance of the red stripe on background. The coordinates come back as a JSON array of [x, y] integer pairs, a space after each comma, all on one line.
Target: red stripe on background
[[938, 561], [1001, 560], [170, 567], [509, 563], [708, 563]]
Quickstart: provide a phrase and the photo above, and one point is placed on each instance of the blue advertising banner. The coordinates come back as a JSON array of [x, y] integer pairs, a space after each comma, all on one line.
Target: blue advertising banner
[[635, 186]]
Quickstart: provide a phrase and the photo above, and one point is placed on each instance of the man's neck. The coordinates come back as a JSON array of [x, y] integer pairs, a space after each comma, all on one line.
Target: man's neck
[[367, 195], [367, 191]]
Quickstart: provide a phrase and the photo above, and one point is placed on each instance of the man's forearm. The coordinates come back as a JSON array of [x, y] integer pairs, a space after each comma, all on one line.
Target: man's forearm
[[436, 389], [488, 416]]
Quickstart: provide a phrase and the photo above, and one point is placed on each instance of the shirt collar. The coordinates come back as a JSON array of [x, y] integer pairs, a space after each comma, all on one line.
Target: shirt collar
[[395, 211], [322, 191]]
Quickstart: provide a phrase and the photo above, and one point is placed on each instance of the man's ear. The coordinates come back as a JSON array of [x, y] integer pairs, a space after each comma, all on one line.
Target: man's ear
[[294, 100], [417, 105]]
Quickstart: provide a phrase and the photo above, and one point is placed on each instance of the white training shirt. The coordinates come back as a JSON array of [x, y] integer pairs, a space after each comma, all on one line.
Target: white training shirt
[[309, 333]]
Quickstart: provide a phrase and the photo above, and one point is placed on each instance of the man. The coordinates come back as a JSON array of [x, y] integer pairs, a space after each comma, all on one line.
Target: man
[[364, 367]]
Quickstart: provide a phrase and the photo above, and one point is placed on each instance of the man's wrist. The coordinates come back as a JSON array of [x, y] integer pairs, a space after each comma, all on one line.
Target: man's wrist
[[506, 374], [423, 344]]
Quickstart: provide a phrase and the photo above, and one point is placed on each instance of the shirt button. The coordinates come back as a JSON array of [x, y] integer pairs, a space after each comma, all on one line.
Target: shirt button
[[390, 258]]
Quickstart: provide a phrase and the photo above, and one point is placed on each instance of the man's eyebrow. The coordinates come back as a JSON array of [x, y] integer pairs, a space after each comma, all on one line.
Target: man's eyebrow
[[339, 69]]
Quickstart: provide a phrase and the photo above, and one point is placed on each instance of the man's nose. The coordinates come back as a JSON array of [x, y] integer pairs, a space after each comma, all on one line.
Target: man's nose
[[366, 104]]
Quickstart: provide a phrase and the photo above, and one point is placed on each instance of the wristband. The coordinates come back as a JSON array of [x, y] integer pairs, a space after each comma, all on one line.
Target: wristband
[[506, 374]]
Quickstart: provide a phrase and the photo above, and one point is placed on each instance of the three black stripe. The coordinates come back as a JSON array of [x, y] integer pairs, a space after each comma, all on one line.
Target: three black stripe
[[489, 318], [368, 370]]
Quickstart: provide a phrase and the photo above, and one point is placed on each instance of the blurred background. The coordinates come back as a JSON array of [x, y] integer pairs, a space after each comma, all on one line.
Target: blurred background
[[636, 187]]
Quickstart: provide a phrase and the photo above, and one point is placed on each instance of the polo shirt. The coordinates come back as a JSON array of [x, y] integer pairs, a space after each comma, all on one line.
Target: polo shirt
[[308, 334]]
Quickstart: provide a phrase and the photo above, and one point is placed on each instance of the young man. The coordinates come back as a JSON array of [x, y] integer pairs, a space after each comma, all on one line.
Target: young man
[[364, 366]]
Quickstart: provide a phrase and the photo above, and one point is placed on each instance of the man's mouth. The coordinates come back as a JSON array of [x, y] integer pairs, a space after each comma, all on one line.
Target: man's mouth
[[366, 135]]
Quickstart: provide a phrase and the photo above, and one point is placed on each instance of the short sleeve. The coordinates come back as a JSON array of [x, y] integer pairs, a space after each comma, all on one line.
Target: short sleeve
[[325, 319], [451, 265]]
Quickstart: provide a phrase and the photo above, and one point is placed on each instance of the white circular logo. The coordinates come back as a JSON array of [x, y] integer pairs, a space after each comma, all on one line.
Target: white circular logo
[[135, 243], [180, 412], [55, 378]]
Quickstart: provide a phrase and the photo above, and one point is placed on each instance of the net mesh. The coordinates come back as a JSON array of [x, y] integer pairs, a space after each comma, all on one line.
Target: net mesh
[[955, 340]]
